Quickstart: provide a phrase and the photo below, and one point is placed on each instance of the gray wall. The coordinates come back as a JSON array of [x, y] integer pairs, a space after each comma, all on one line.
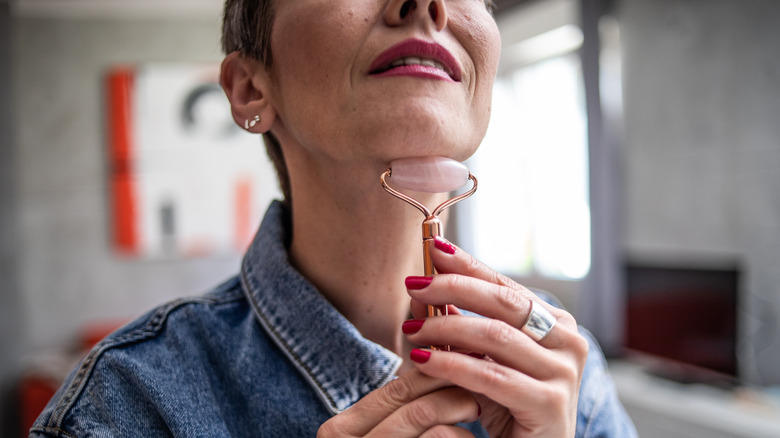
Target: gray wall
[[702, 151], [57, 267], [68, 271], [63, 266], [10, 322]]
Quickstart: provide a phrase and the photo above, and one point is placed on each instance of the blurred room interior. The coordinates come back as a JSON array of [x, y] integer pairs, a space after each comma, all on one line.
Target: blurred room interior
[[633, 162]]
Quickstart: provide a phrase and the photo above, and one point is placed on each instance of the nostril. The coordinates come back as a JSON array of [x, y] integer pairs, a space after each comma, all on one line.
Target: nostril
[[408, 6], [433, 10]]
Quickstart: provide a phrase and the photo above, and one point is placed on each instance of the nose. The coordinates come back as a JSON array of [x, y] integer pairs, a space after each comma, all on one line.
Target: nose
[[400, 12]]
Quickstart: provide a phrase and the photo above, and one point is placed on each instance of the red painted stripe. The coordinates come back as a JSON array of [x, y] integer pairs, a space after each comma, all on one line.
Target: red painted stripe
[[120, 103]]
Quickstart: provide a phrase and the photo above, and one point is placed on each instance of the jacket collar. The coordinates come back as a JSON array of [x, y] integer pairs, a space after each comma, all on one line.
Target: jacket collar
[[339, 363]]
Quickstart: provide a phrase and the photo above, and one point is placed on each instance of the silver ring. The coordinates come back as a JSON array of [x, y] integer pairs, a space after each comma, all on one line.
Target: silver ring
[[540, 321]]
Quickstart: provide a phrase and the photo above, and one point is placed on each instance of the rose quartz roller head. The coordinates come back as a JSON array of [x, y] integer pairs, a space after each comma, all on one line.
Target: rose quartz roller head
[[432, 175], [428, 174]]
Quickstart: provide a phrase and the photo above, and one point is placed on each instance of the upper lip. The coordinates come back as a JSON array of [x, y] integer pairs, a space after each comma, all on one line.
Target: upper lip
[[419, 49]]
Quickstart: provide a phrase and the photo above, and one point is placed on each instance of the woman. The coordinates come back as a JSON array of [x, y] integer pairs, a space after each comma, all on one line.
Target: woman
[[315, 334]]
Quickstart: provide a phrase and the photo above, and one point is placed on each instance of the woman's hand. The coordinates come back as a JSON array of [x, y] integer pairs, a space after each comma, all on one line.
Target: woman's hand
[[412, 405], [525, 388]]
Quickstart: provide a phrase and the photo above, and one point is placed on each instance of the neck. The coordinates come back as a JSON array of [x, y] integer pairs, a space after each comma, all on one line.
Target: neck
[[356, 243]]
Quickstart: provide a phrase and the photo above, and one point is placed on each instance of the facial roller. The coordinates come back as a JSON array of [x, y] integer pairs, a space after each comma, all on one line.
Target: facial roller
[[431, 175]]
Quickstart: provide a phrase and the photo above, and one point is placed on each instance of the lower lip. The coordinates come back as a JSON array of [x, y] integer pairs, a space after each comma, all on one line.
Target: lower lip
[[418, 71]]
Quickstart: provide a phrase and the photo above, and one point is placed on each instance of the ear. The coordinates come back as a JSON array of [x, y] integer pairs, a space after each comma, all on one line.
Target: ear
[[246, 84]]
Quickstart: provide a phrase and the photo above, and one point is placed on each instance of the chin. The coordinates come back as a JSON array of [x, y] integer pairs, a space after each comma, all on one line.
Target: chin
[[457, 152], [427, 138]]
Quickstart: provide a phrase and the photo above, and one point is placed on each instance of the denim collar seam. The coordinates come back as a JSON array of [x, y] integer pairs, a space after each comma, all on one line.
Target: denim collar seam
[[58, 431], [286, 348]]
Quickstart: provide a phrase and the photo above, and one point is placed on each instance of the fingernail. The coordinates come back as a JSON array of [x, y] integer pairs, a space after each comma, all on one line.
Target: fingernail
[[416, 283], [442, 245], [420, 356], [412, 326]]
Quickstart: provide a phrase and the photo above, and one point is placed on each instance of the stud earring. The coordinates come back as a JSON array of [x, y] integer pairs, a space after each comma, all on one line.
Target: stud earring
[[251, 124]]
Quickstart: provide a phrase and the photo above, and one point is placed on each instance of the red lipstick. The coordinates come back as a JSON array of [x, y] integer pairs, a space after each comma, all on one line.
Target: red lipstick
[[415, 57]]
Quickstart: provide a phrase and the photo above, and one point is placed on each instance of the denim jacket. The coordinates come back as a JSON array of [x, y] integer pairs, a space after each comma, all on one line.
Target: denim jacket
[[264, 354]]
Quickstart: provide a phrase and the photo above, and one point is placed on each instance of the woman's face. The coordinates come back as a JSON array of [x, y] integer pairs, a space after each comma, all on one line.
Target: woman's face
[[383, 79]]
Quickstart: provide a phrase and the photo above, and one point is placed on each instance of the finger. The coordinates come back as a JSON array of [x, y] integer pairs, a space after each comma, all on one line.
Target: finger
[[420, 310], [504, 344], [516, 391], [448, 258], [497, 302], [447, 431], [378, 405], [443, 407]]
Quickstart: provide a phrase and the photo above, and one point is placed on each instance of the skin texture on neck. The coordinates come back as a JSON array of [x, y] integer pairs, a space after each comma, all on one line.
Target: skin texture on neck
[[356, 243]]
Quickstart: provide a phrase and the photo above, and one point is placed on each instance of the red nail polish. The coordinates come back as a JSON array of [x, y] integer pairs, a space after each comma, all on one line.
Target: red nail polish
[[443, 246], [412, 326], [416, 283], [420, 356]]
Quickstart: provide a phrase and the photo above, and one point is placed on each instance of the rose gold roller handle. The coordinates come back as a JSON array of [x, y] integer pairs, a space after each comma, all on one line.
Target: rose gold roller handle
[[431, 229], [431, 226]]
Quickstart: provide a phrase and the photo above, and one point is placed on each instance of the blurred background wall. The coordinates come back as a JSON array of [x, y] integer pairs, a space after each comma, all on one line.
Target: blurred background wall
[[11, 344], [67, 268], [701, 156], [58, 267], [700, 160]]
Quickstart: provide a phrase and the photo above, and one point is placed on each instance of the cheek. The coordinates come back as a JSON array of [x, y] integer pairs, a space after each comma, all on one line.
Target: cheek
[[316, 40], [483, 43], [487, 62], [485, 48], [478, 34], [313, 57]]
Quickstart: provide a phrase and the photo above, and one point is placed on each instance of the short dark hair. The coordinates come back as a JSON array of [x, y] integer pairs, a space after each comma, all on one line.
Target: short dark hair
[[246, 29]]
